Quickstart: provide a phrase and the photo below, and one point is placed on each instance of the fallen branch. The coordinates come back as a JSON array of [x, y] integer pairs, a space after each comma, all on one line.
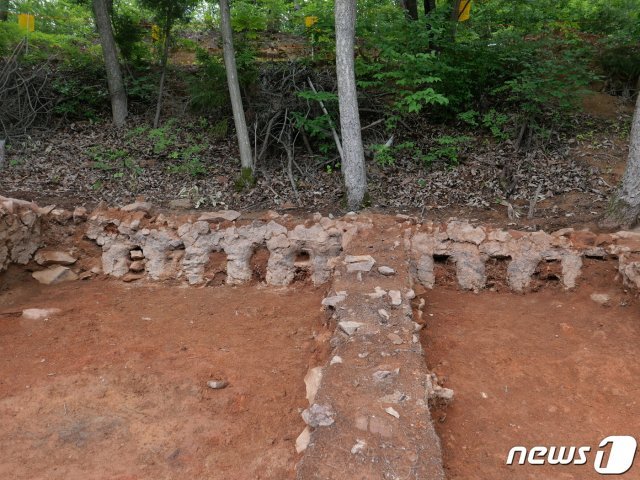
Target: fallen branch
[[336, 138]]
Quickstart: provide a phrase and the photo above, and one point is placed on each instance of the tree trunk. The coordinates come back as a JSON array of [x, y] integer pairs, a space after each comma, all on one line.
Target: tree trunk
[[353, 168], [163, 62], [4, 10], [109, 51], [625, 207], [429, 6], [411, 7], [455, 13], [246, 160]]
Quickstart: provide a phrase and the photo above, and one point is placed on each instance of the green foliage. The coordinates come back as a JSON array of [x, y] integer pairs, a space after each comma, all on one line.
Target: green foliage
[[446, 150], [208, 87], [77, 99], [189, 161], [130, 33], [117, 162], [64, 17], [10, 36], [163, 137], [402, 73]]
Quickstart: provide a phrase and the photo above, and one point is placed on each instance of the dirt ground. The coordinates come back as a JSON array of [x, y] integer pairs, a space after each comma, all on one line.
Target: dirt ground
[[115, 387], [548, 368]]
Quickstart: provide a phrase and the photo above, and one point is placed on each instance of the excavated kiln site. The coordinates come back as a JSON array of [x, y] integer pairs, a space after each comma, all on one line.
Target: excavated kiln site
[[137, 343]]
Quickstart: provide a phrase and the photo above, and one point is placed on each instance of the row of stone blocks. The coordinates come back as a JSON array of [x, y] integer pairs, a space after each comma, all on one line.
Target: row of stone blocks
[[184, 251], [469, 248], [168, 249]]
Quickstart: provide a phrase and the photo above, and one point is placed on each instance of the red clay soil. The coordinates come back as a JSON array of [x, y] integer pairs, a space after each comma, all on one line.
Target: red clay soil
[[550, 368], [115, 387]]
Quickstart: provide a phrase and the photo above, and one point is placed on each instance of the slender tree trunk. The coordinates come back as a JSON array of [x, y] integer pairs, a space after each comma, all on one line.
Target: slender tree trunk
[[353, 168], [246, 160], [625, 207], [4, 10], [411, 7], [455, 12], [163, 74], [109, 51]]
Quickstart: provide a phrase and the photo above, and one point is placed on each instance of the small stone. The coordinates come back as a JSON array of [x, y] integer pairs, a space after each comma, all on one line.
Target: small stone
[[137, 207], [333, 300], [228, 215], [391, 411], [601, 299], [137, 266], [132, 277], [318, 415], [410, 294], [217, 384], [384, 314], [382, 375], [336, 359], [53, 275], [378, 293], [395, 397], [48, 258], [79, 214], [349, 327], [358, 447], [386, 271], [396, 297], [414, 338], [39, 313], [302, 442], [312, 381], [395, 339], [180, 203], [136, 254], [359, 263], [85, 275], [417, 327]]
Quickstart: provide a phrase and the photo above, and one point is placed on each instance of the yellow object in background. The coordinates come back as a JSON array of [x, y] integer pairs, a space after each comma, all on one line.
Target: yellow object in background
[[464, 10], [155, 33], [310, 21], [27, 21]]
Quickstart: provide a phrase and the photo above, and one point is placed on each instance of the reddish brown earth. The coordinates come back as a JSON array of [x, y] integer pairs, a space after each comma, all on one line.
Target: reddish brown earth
[[115, 386], [555, 367]]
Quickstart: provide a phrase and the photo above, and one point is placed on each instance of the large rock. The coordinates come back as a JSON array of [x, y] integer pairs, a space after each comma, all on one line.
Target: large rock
[[53, 275], [20, 226]]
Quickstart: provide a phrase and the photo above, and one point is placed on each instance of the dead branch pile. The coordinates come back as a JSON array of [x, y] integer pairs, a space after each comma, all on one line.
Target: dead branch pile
[[25, 98]]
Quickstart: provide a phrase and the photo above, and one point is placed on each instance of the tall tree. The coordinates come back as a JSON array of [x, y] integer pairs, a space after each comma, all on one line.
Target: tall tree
[[625, 207], [4, 10], [167, 13], [411, 7], [112, 65], [353, 168], [246, 160]]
